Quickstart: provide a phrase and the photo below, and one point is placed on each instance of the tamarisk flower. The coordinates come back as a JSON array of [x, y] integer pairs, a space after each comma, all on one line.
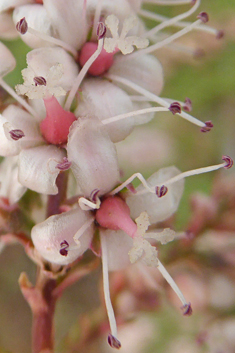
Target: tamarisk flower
[[122, 219]]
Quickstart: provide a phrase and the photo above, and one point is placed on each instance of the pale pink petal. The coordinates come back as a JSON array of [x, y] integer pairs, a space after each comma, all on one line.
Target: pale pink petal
[[48, 236], [145, 70], [9, 184], [158, 209], [93, 156], [37, 18], [7, 4], [7, 27], [67, 20], [37, 168], [118, 246], [102, 99], [7, 147], [7, 60], [41, 60]]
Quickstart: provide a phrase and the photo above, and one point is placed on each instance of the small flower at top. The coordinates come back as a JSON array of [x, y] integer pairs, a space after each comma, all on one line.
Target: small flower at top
[[123, 43]]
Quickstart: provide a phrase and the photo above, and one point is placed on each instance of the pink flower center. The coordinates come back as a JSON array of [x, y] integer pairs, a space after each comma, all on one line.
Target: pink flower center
[[101, 64], [115, 214], [55, 126]]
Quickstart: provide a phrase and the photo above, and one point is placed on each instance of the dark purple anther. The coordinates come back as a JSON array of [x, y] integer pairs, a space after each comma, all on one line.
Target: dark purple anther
[[93, 196], [208, 126], [113, 342], [65, 165], [22, 26], [101, 30], [16, 134], [161, 190], [40, 81], [187, 105], [175, 108], [229, 162], [64, 248], [220, 34], [187, 309], [203, 16]]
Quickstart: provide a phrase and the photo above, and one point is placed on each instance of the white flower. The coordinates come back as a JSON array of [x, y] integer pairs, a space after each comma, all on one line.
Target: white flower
[[124, 43]]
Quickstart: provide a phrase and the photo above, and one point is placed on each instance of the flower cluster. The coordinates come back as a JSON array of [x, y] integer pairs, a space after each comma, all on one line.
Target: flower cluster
[[91, 77]]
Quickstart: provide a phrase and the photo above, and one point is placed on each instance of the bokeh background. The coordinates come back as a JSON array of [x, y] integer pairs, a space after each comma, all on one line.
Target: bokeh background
[[209, 81]]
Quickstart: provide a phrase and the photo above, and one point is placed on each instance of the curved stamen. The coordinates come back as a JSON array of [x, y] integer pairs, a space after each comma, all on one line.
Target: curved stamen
[[134, 113], [96, 17], [129, 180], [87, 205], [20, 100], [173, 20], [82, 74], [83, 228], [108, 304], [153, 97], [47, 38]]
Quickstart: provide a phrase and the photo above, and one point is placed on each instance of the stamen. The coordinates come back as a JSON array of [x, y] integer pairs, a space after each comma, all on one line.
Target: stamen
[[229, 162], [175, 108], [20, 100], [94, 195], [16, 134], [97, 18], [208, 126], [187, 104], [187, 309], [180, 24], [83, 72], [23, 28], [129, 180], [134, 113], [64, 245], [203, 16], [65, 165], [87, 205], [164, 42], [172, 283], [161, 191], [40, 81], [152, 97], [83, 228], [112, 322], [113, 342], [173, 20]]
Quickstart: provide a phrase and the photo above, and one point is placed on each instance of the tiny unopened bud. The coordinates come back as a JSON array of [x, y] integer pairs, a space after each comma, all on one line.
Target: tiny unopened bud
[[161, 191], [64, 248], [203, 16], [175, 108], [16, 134], [65, 165], [94, 194], [187, 309], [208, 126], [101, 30], [220, 34], [229, 162], [22, 26], [113, 342], [40, 81], [187, 104]]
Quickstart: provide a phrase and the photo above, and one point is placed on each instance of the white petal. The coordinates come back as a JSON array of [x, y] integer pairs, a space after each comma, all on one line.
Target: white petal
[[43, 59], [146, 71], [37, 168], [7, 147], [102, 99], [7, 27], [135, 4], [48, 235], [143, 118], [9, 184], [7, 4], [118, 246], [37, 18], [66, 18], [93, 156], [7, 60], [157, 208]]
